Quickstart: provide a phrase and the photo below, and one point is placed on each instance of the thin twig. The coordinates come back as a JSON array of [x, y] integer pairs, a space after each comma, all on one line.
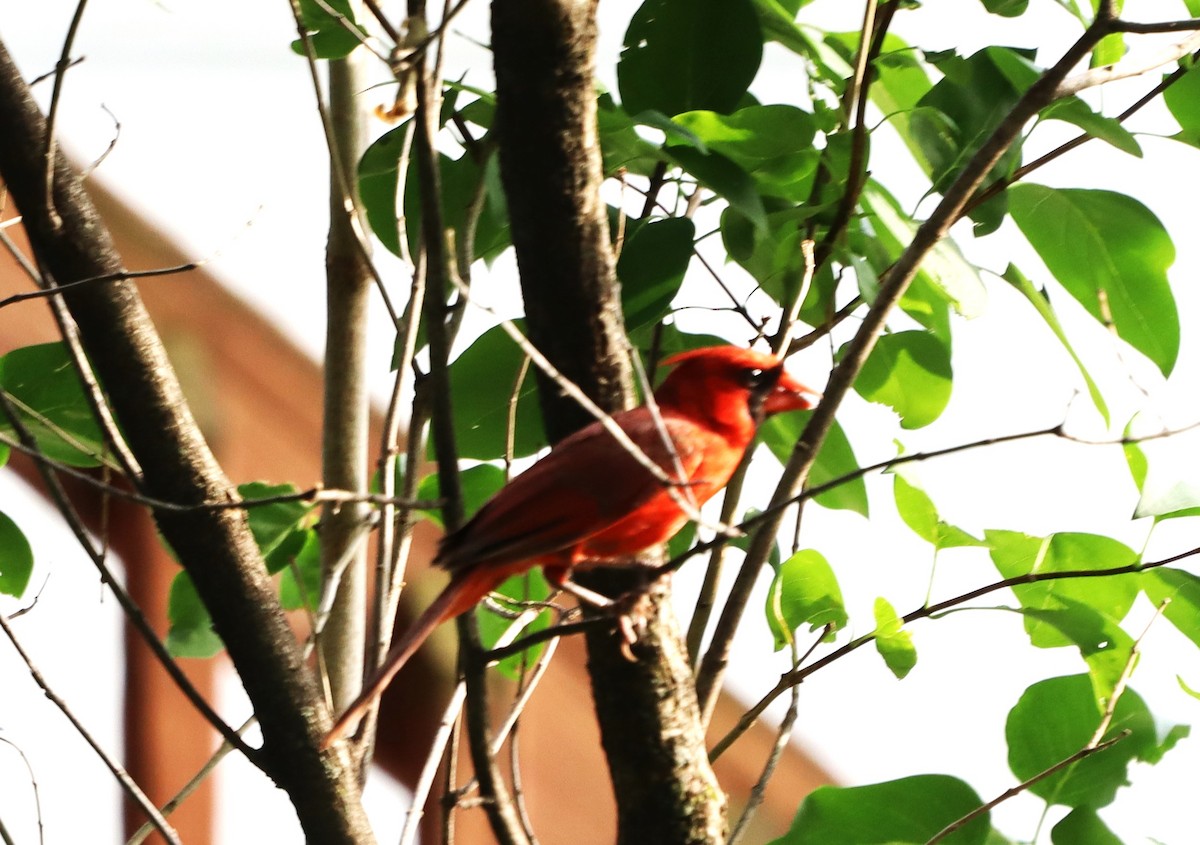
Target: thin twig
[[126, 782], [1086, 751], [132, 612], [192, 785], [60, 73], [1125, 70], [33, 783], [790, 679]]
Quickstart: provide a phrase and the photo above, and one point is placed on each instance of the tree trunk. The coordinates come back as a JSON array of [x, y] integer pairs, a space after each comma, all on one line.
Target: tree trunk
[[550, 163], [214, 545]]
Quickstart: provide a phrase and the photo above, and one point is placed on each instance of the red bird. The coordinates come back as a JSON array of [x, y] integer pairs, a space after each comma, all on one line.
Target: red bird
[[590, 500]]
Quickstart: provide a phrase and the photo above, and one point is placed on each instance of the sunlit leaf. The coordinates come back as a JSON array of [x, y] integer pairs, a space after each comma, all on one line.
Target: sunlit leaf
[[1111, 253], [1075, 111], [892, 641], [1183, 99], [1181, 592], [910, 373], [1057, 717], [909, 810], [723, 177], [1041, 303], [1082, 826], [920, 514], [774, 144], [944, 268], [1102, 643], [835, 461], [805, 591], [1016, 554]]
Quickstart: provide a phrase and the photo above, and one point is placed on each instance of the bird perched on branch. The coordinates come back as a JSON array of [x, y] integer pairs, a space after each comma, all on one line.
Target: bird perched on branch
[[594, 500]]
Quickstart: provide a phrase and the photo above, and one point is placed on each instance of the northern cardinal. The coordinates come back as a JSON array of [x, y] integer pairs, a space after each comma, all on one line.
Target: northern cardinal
[[590, 500]]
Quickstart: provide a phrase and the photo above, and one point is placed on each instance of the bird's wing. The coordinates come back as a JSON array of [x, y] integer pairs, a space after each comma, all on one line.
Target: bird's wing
[[584, 485]]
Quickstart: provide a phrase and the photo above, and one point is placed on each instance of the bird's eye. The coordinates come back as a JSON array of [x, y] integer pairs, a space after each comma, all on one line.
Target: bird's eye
[[754, 377]]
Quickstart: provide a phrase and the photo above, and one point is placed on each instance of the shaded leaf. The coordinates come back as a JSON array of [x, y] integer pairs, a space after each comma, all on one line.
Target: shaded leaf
[[530, 586], [272, 524], [191, 633], [41, 382], [482, 380], [652, 266], [300, 578], [668, 65], [805, 591], [330, 38], [478, 483], [1183, 591], [1103, 644], [16, 558], [723, 177], [1111, 253]]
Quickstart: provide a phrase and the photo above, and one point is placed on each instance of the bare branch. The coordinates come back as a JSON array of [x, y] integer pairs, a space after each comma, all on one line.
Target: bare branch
[[126, 782], [1125, 70]]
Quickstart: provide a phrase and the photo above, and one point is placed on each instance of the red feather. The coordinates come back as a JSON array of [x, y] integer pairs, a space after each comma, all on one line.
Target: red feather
[[590, 500]]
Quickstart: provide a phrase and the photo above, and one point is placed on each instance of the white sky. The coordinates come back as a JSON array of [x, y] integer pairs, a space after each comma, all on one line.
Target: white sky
[[219, 130]]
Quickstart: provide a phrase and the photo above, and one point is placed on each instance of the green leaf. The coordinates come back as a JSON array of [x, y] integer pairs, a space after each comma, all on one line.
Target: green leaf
[[723, 177], [4, 454], [1166, 487], [1111, 253], [330, 38], [482, 380], [1183, 99], [1041, 304], [651, 268], [478, 483], [909, 810], [944, 269], [1182, 589], [960, 112], [191, 633], [804, 591], [1006, 8], [273, 524], [42, 383], [1109, 51], [892, 641], [1016, 554], [920, 514], [1057, 717], [461, 179], [1075, 111], [1104, 646], [16, 558], [835, 461], [1082, 826], [300, 581], [620, 144], [668, 65], [774, 257], [910, 373], [774, 144], [530, 586]]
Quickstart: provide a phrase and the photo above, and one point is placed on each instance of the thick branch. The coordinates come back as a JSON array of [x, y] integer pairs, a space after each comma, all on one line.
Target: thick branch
[[215, 546]]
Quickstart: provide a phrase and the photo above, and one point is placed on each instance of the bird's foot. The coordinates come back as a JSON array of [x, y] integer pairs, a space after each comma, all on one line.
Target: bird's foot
[[632, 612]]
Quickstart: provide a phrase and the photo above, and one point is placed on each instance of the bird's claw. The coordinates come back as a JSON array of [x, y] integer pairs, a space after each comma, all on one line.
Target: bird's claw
[[633, 619]]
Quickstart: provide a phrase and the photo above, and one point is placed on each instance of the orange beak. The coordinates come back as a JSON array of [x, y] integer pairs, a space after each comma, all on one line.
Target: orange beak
[[789, 395]]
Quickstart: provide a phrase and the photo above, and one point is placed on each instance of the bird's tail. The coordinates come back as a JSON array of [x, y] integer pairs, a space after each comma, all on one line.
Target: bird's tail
[[459, 596]]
